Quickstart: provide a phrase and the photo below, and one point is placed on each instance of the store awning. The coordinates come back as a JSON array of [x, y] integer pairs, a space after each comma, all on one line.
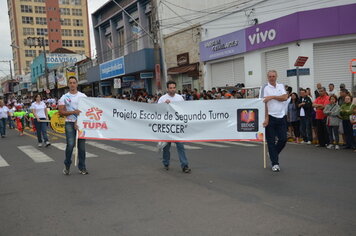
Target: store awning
[[183, 69]]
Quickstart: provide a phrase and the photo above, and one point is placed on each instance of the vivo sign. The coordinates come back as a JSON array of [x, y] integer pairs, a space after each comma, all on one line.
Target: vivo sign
[[262, 36]]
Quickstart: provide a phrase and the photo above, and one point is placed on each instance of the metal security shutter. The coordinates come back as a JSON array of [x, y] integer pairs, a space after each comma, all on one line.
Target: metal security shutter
[[239, 71], [331, 63], [278, 60], [222, 74]]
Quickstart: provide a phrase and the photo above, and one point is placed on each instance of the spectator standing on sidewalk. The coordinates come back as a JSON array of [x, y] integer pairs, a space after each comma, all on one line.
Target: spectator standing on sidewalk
[[319, 104], [332, 111]]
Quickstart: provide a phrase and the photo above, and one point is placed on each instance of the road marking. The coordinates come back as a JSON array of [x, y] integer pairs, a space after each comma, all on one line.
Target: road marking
[[240, 144], [140, 146], [109, 148], [62, 147], [56, 134], [35, 154], [189, 147], [3, 163], [211, 144]]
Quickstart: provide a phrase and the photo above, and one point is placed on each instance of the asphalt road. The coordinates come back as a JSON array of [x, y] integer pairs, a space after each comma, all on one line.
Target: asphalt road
[[128, 193]]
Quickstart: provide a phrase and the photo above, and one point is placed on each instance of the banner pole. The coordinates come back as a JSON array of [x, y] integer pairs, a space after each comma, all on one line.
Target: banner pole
[[76, 149], [264, 151]]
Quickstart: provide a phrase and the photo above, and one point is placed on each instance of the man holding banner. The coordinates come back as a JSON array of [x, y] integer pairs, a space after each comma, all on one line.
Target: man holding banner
[[68, 107], [274, 96], [169, 97]]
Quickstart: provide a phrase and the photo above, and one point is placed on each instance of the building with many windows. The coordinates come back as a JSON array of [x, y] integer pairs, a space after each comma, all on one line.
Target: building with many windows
[[62, 23]]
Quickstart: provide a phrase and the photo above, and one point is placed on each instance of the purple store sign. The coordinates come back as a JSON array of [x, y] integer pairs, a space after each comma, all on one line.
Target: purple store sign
[[318, 23], [223, 46]]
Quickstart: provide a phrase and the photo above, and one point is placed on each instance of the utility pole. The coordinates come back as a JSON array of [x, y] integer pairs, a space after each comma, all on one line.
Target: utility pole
[[156, 45], [39, 42], [10, 68]]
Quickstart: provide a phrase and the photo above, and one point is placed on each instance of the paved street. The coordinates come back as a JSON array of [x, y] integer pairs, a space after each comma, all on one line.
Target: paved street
[[128, 193]]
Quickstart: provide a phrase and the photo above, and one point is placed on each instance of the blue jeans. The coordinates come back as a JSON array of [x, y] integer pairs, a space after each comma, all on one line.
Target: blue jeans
[[276, 128], [71, 134], [11, 123], [181, 154], [2, 126], [305, 128], [41, 128]]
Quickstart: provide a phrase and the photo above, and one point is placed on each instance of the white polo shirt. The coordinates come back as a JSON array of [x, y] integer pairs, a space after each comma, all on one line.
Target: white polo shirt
[[275, 108]]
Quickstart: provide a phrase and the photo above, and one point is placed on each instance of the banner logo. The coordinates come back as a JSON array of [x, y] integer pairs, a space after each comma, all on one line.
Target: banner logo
[[247, 120], [94, 114]]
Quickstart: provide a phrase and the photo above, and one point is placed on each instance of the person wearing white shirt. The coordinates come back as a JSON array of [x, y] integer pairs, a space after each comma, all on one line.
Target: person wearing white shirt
[[4, 114], [274, 96], [169, 97], [332, 90], [39, 110], [68, 107]]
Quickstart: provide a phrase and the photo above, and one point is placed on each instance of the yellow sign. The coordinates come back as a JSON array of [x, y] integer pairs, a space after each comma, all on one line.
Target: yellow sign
[[58, 123]]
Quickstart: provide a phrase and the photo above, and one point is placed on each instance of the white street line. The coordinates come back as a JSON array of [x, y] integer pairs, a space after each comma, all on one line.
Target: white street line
[[240, 144], [190, 147], [3, 163], [211, 144], [35, 154], [109, 148], [140, 146], [62, 147]]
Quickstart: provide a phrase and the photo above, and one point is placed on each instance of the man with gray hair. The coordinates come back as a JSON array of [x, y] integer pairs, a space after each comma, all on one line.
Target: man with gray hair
[[274, 96]]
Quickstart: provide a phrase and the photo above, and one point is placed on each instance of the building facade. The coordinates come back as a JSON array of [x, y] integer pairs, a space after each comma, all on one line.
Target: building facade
[[273, 37], [181, 54], [124, 48], [62, 23]]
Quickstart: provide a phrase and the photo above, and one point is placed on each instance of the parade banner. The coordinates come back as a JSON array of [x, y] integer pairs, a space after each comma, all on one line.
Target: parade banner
[[190, 121]]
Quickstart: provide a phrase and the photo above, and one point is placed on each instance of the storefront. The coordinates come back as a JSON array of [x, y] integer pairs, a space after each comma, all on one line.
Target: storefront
[[326, 36]]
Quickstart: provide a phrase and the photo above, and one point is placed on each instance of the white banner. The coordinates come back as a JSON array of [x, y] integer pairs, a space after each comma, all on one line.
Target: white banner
[[208, 120]]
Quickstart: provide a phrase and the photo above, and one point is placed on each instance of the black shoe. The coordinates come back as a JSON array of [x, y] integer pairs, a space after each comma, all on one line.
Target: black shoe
[[166, 167], [186, 169], [83, 172], [2, 136], [66, 171]]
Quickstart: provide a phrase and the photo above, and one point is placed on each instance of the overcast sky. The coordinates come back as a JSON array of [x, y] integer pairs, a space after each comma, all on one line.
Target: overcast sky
[[5, 36]]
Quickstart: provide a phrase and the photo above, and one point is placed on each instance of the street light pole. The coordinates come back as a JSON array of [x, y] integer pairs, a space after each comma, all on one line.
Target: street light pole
[[39, 42]]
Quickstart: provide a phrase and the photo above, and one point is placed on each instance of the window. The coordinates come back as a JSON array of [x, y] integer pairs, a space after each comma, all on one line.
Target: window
[[41, 20], [67, 32], [28, 31], [79, 33], [25, 0], [39, 0], [76, 12], [28, 64], [65, 22], [39, 9], [79, 43], [67, 43], [77, 22], [77, 2], [30, 53], [64, 11], [27, 20], [26, 8], [41, 31], [64, 2], [46, 42]]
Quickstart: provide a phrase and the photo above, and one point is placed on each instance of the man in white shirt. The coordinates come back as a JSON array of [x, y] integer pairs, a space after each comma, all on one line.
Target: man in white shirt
[[274, 95], [169, 97], [68, 106], [332, 90], [4, 114]]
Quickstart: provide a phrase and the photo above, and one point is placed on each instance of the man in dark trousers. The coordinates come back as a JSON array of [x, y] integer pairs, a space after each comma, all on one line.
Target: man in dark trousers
[[274, 96]]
